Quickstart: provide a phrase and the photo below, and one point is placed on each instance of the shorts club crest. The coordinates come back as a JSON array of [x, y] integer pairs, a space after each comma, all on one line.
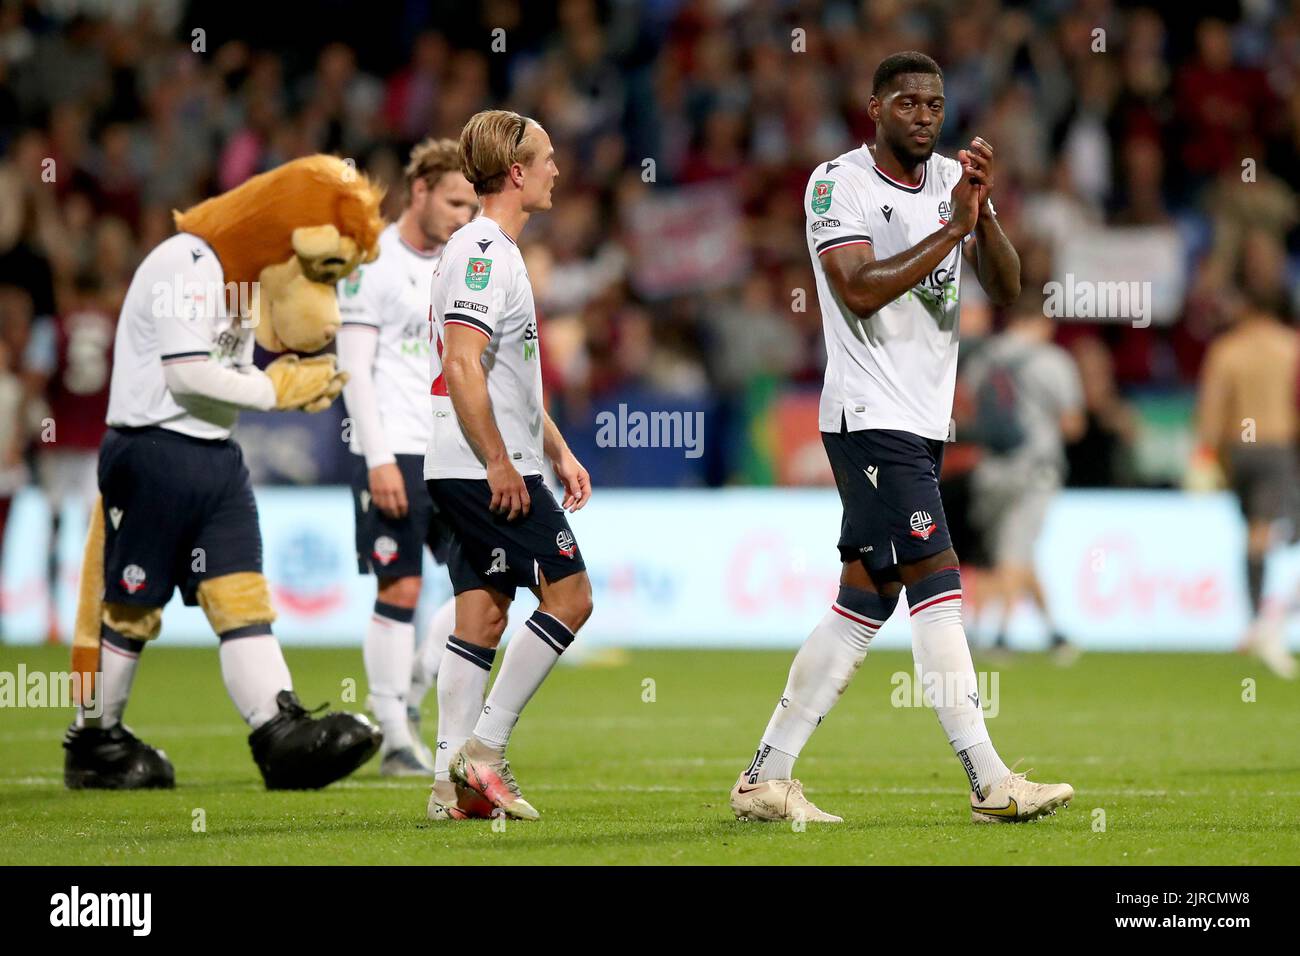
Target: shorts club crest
[[565, 543], [133, 577], [386, 550]]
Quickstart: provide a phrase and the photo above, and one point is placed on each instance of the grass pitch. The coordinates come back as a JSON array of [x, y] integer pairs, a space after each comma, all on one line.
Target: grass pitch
[[1162, 749]]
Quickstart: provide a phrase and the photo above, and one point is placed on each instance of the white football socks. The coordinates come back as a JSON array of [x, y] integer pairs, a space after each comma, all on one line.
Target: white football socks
[[254, 670], [389, 653], [821, 671], [947, 675], [428, 656], [530, 655], [462, 679], [118, 658]]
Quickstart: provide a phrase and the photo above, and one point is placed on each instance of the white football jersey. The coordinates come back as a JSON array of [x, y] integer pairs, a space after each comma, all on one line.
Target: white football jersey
[[481, 284], [896, 369], [391, 296], [175, 311]]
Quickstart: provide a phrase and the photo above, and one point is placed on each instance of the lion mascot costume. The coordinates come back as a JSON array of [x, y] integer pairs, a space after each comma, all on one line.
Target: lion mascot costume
[[256, 264]]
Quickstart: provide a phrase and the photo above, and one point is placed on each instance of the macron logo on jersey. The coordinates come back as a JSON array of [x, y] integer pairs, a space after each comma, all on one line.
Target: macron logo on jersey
[[483, 244]]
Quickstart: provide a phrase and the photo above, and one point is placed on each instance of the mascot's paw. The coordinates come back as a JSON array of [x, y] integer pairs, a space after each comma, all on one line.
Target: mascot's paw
[[308, 384], [113, 759], [332, 391], [296, 751]]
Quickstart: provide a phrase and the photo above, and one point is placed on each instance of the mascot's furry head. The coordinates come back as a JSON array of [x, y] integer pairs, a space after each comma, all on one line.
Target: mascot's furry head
[[295, 232]]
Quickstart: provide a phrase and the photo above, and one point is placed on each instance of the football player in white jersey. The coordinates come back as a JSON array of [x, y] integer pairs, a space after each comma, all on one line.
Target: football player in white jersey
[[888, 227], [484, 471], [384, 347]]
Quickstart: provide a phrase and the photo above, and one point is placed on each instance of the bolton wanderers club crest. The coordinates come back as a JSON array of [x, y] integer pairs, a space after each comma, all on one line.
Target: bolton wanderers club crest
[[385, 550], [564, 541], [133, 578], [922, 525]]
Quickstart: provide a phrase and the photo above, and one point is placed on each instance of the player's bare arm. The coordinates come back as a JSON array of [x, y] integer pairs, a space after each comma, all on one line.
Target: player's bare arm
[[866, 285], [990, 251], [576, 481], [462, 364]]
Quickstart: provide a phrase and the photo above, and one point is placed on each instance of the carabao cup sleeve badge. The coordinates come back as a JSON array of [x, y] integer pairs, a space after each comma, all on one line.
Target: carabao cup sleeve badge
[[477, 273], [821, 197]]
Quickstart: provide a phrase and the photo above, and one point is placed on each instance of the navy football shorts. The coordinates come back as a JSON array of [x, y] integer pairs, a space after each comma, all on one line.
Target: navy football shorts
[[177, 510], [394, 547], [488, 551], [889, 486]]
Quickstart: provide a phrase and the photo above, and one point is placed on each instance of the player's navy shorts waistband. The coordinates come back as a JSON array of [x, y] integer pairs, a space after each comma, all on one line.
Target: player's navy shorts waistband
[[157, 431]]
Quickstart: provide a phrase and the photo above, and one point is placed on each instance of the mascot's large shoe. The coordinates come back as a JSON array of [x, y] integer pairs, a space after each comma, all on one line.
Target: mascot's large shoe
[[113, 759], [296, 751]]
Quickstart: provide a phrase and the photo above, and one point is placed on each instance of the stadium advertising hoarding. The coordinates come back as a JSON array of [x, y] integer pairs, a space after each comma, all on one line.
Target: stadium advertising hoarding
[[742, 567]]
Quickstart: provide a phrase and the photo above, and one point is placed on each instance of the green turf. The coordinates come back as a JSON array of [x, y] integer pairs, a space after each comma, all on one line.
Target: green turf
[[1185, 771]]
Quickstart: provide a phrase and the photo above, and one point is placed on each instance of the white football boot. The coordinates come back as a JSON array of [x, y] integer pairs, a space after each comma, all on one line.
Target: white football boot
[[776, 800], [1016, 799], [487, 772]]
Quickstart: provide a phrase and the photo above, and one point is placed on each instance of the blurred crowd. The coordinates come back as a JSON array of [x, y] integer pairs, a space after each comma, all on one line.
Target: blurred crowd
[[669, 273]]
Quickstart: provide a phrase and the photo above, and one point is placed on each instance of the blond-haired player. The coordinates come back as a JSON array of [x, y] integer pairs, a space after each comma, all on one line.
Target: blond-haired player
[[484, 469]]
